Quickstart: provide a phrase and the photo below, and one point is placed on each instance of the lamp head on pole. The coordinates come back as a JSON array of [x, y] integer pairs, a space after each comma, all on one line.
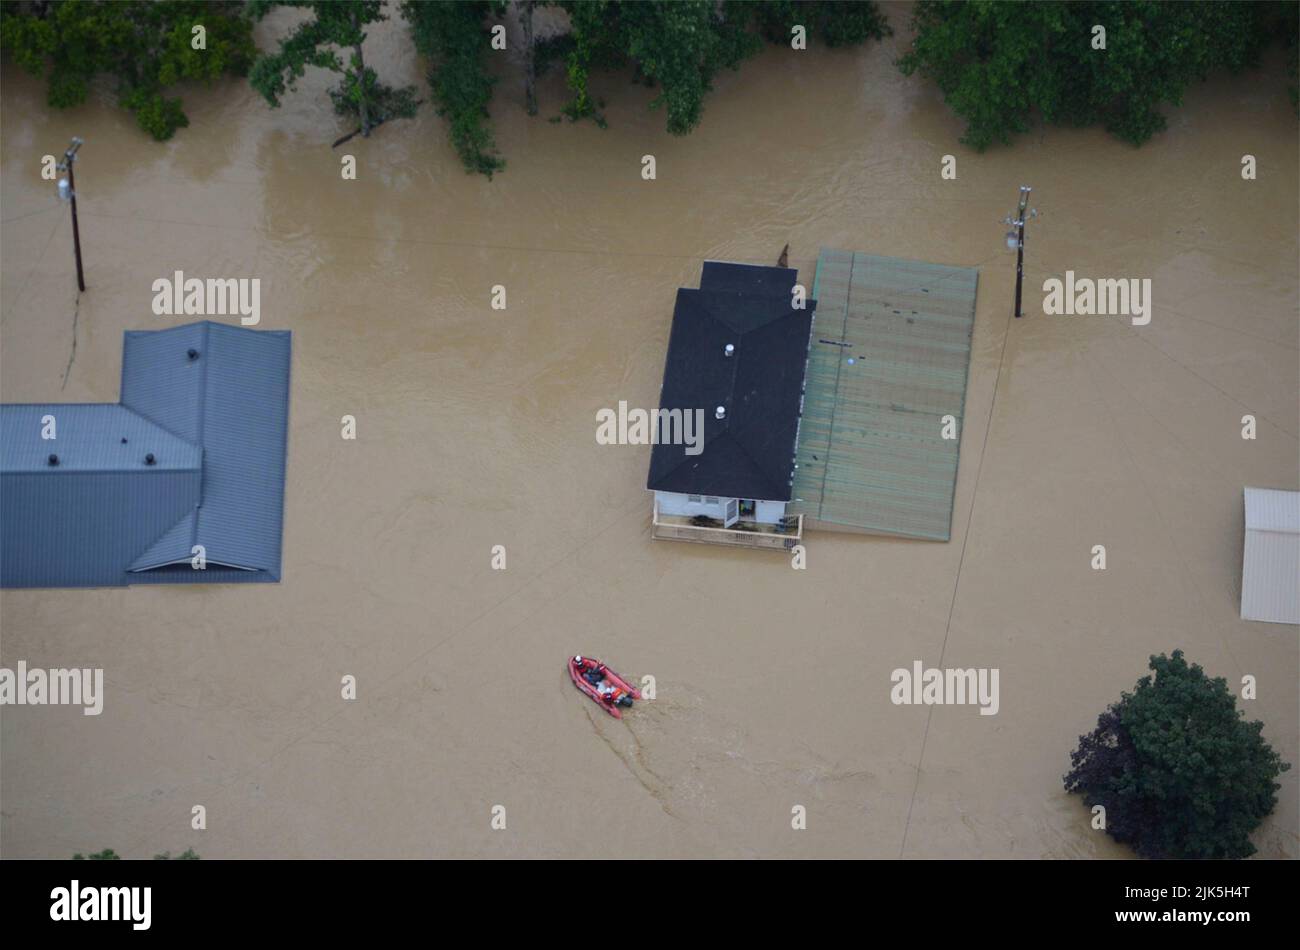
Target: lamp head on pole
[[65, 190]]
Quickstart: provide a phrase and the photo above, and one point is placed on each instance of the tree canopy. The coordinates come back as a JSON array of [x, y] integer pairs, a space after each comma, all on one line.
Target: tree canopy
[[833, 22], [454, 39], [675, 46], [1000, 65], [1178, 768], [678, 46], [146, 46], [334, 24], [108, 854]]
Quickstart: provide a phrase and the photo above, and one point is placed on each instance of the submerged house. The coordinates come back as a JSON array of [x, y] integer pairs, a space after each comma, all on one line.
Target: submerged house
[[737, 356], [187, 470], [843, 416]]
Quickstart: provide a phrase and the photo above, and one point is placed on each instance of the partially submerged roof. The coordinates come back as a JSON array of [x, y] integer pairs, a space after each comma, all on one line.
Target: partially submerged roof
[[89, 437], [1270, 569], [748, 278], [749, 453], [193, 456], [889, 359]]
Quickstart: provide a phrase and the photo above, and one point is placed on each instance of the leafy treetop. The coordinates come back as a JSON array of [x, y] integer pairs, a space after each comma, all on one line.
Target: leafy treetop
[[148, 47], [1178, 768]]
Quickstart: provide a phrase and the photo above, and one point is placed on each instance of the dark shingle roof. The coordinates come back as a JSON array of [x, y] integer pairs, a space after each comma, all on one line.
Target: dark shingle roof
[[210, 402], [750, 278], [750, 452]]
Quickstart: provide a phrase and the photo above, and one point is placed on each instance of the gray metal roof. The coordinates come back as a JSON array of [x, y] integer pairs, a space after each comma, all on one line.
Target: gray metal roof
[[89, 437], [210, 403]]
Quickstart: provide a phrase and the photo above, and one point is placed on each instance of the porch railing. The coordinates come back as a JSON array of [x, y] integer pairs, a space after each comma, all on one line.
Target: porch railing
[[662, 529]]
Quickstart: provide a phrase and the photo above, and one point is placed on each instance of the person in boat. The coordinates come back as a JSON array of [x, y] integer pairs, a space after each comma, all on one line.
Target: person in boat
[[614, 695], [594, 673], [619, 697], [589, 670]]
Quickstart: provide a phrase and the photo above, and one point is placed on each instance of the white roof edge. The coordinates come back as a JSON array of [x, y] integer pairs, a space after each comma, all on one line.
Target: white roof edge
[[1272, 509]]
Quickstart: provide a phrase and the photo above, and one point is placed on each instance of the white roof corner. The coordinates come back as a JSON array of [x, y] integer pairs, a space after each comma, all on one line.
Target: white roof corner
[[1268, 509]]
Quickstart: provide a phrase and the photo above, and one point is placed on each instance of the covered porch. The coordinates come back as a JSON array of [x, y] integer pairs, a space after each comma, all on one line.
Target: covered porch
[[744, 533]]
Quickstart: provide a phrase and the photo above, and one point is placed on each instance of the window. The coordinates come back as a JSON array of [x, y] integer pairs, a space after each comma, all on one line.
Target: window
[[695, 499], [711, 500]]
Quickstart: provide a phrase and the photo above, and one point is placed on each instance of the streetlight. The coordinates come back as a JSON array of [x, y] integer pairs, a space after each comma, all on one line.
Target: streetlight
[[68, 193], [1016, 239]]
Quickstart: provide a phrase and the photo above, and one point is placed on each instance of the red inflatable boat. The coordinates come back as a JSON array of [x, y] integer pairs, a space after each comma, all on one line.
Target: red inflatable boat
[[606, 688]]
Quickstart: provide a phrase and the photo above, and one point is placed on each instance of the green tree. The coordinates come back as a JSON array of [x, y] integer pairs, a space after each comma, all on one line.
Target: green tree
[[1000, 65], [1178, 768], [455, 41], [834, 22], [1288, 28], [146, 46], [526, 10], [334, 24], [677, 46], [108, 854]]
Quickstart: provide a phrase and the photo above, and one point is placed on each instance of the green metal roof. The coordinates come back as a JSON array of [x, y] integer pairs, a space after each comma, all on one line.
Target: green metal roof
[[889, 357]]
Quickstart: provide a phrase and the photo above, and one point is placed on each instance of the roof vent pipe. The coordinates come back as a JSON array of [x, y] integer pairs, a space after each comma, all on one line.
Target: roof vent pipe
[[728, 349], [149, 459], [720, 412], [53, 459], [192, 354]]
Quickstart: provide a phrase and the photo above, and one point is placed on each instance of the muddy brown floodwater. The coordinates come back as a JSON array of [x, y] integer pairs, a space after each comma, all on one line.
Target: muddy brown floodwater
[[476, 428]]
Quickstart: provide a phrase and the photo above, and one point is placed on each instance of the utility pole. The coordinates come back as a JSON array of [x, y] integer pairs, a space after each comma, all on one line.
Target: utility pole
[[1016, 241], [68, 192]]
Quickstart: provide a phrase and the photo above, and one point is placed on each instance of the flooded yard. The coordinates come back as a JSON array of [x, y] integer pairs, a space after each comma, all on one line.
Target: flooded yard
[[475, 428]]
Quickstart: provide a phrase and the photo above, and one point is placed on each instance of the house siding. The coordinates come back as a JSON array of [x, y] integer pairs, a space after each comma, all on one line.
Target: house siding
[[673, 503]]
